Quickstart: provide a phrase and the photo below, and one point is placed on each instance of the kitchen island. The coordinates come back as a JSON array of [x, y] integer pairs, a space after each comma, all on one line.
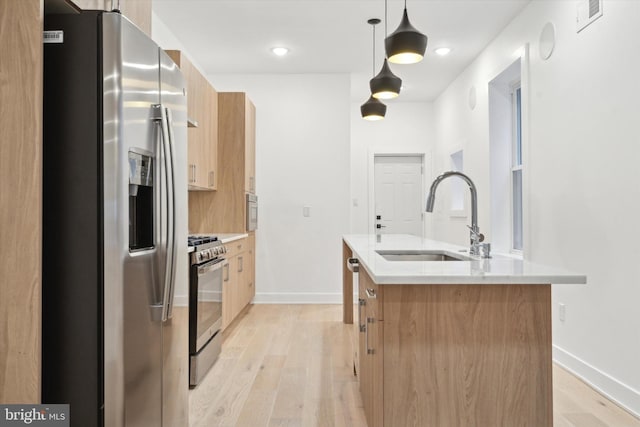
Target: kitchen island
[[458, 342]]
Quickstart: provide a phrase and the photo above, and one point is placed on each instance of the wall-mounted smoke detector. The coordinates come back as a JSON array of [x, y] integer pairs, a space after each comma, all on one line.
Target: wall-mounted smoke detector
[[587, 12]]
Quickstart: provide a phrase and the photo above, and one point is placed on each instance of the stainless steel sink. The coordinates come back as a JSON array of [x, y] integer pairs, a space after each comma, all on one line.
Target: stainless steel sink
[[391, 255]]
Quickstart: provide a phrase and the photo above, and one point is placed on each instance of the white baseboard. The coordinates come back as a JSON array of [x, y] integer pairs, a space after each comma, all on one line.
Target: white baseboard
[[181, 300], [613, 389], [298, 298]]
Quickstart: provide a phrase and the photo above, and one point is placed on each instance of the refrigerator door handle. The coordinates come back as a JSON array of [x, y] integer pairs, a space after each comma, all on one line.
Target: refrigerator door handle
[[174, 243], [165, 168]]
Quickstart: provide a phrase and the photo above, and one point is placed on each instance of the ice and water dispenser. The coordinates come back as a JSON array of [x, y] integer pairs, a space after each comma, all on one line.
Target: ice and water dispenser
[[140, 201]]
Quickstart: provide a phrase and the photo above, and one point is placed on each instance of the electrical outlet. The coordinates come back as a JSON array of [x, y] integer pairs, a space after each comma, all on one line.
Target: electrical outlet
[[562, 311]]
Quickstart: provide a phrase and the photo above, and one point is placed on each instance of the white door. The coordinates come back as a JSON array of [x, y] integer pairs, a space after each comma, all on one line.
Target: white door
[[398, 194]]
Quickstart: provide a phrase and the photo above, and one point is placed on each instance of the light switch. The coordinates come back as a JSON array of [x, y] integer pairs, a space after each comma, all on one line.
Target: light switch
[[306, 211]]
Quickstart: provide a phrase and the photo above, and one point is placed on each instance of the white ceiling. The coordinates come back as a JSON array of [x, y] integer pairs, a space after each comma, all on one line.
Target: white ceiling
[[332, 36]]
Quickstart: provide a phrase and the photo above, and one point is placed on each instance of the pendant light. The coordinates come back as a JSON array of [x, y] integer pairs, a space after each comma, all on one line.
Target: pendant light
[[373, 109], [385, 85], [406, 45]]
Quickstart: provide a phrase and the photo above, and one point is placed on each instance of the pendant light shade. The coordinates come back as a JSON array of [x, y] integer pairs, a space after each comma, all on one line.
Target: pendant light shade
[[406, 45], [373, 109], [385, 85]]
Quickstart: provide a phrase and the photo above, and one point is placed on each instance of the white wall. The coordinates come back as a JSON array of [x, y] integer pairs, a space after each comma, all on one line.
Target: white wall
[[302, 158], [407, 128], [162, 35], [582, 158]]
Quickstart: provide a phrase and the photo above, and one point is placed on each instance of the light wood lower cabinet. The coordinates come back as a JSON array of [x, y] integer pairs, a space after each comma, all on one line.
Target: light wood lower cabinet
[[370, 350], [250, 267], [455, 355], [238, 288], [229, 291]]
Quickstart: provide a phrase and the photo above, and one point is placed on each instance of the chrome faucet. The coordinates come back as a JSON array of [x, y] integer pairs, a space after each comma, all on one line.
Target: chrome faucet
[[476, 237]]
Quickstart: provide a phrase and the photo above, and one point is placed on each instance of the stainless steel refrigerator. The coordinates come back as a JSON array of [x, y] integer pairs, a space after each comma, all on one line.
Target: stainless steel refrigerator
[[115, 346]]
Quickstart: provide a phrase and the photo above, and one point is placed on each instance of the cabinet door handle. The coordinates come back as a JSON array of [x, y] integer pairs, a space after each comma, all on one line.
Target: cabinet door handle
[[211, 178], [252, 183], [370, 320], [361, 303], [226, 271], [194, 173], [371, 293], [240, 264]]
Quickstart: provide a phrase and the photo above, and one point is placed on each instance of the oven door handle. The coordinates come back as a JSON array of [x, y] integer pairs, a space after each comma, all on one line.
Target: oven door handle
[[211, 266]]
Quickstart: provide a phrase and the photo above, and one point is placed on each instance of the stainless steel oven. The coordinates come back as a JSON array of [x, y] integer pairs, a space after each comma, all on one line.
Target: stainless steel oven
[[205, 306], [252, 212]]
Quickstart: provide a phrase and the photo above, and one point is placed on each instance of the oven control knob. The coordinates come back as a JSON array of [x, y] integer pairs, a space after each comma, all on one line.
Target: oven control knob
[[216, 251], [199, 257], [223, 249]]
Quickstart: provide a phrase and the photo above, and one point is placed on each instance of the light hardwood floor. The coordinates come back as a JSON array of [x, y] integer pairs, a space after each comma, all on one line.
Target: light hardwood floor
[[291, 365]]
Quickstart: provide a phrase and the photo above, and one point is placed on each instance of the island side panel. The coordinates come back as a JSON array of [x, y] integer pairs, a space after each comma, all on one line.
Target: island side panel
[[347, 286], [467, 355]]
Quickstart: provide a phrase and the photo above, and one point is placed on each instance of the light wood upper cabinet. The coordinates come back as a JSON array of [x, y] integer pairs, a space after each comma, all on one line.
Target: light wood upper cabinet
[[250, 147], [137, 11], [202, 112], [237, 134], [224, 211]]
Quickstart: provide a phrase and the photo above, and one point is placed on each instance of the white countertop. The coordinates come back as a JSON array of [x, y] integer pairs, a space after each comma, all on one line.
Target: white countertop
[[500, 269]]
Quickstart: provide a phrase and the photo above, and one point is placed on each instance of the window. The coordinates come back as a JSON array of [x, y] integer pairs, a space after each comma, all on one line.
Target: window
[[506, 160], [516, 169]]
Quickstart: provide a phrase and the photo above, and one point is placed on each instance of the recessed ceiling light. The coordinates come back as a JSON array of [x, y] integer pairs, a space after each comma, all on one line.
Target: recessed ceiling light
[[442, 51], [280, 51]]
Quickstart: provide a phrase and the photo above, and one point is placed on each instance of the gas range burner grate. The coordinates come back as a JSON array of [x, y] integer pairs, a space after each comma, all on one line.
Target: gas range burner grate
[[197, 240]]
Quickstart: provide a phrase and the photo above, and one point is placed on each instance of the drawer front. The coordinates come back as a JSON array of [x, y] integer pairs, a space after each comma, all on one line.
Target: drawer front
[[236, 247]]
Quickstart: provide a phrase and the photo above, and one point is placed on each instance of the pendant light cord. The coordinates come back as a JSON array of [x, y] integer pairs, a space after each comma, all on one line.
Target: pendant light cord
[[373, 68], [386, 33]]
